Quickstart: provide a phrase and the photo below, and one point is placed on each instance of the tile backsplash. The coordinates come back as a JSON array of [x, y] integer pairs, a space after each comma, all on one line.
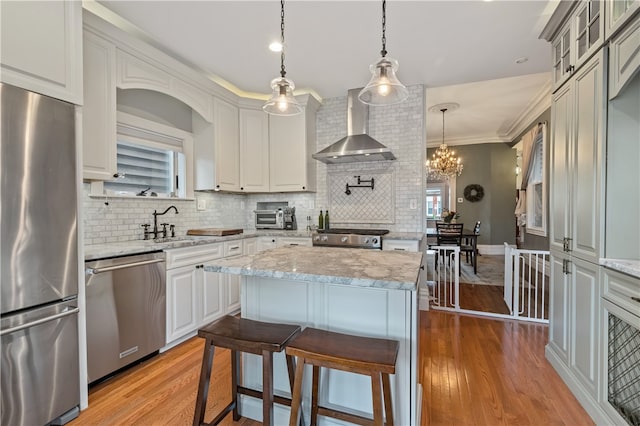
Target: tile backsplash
[[399, 185]]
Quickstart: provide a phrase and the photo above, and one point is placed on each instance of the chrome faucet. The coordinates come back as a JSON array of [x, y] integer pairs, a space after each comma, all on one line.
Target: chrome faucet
[[155, 220]]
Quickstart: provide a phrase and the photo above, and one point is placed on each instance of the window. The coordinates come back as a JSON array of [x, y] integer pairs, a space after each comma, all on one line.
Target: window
[[536, 192], [152, 159]]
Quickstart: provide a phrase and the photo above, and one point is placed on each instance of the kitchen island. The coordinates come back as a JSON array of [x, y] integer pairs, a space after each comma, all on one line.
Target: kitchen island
[[362, 292]]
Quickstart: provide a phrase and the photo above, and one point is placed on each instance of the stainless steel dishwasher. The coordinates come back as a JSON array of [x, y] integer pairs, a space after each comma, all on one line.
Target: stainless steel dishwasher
[[126, 311]]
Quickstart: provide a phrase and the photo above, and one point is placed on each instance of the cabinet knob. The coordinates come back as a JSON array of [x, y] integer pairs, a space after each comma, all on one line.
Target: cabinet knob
[[217, 186], [304, 187], [242, 188]]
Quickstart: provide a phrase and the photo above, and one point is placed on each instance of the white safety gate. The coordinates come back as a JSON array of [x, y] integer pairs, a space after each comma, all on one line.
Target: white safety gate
[[526, 283]]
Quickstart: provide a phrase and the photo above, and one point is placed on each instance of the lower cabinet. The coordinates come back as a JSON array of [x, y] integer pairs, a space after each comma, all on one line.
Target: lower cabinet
[[196, 297], [574, 331], [400, 245]]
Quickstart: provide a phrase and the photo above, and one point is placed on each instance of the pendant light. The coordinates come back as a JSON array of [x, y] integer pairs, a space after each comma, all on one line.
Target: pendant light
[[384, 88], [444, 163], [282, 101]]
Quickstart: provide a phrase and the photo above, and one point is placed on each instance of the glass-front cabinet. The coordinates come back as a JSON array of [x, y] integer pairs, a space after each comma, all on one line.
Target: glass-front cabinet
[[617, 13], [577, 40]]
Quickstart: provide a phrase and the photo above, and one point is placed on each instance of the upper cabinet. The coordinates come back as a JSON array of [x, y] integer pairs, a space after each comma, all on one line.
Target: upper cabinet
[[292, 140], [227, 146], [254, 150], [618, 13], [99, 111], [577, 40], [41, 47], [624, 57]]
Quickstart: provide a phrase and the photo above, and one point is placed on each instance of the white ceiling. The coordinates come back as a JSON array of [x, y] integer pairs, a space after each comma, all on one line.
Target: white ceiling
[[461, 51]]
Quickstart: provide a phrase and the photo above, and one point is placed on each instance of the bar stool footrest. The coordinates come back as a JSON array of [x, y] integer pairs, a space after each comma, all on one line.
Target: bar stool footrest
[[229, 408], [341, 415], [257, 394]]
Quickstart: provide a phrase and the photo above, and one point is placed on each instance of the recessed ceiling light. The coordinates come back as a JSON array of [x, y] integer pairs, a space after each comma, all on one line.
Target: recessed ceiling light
[[522, 60], [276, 46]]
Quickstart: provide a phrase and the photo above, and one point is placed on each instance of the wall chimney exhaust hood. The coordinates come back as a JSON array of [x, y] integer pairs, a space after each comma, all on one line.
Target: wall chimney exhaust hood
[[357, 146]]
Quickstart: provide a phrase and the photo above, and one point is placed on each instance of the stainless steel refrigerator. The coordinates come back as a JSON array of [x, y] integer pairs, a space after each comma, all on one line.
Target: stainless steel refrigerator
[[39, 268]]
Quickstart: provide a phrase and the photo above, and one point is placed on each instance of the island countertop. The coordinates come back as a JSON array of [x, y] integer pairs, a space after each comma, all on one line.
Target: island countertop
[[356, 267]]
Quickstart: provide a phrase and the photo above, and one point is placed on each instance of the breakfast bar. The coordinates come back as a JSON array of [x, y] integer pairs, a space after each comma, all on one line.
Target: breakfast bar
[[369, 293]]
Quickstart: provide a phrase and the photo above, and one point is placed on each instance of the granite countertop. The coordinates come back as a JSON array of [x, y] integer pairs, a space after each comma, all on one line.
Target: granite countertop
[[125, 248], [629, 267], [356, 267]]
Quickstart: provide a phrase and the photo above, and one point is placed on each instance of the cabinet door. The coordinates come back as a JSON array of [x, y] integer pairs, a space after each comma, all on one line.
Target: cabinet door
[[99, 111], [559, 307], [624, 57], [233, 293], [293, 241], [212, 295], [585, 307], [266, 243], [41, 47], [287, 153], [250, 246], [254, 151], [588, 158], [589, 29], [227, 146], [560, 182], [562, 56], [182, 297], [617, 14]]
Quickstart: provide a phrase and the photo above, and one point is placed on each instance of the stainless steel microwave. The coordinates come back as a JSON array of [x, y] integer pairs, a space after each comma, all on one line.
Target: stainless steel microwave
[[269, 219]]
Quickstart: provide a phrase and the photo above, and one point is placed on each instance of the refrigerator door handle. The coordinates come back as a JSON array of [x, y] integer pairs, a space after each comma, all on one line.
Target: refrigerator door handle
[[66, 312], [124, 265]]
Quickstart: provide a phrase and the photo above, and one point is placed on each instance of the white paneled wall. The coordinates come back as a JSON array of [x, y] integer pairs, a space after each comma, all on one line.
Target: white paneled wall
[[400, 127]]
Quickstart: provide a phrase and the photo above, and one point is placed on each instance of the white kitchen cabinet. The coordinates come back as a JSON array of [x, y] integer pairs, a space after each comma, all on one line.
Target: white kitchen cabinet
[[231, 281], [99, 110], [41, 47], [577, 163], [400, 245], [266, 243], [574, 332], [227, 146], [579, 38], [293, 241], [254, 150], [292, 141], [624, 57], [618, 12], [250, 245], [195, 297], [182, 296], [559, 307]]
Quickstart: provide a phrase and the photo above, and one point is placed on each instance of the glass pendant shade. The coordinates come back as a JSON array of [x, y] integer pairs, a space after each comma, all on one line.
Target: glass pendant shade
[[384, 88], [282, 101]]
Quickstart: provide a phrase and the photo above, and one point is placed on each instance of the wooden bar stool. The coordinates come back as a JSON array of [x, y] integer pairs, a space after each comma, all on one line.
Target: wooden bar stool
[[244, 335], [362, 355]]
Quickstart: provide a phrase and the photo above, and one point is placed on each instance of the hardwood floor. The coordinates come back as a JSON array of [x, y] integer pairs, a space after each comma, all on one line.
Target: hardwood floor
[[479, 371], [475, 371]]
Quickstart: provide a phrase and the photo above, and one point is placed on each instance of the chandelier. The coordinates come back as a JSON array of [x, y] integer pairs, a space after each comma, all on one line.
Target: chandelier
[[444, 162]]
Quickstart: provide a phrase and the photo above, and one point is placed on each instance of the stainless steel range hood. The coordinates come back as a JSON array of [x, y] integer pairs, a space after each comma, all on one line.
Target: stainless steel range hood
[[357, 146]]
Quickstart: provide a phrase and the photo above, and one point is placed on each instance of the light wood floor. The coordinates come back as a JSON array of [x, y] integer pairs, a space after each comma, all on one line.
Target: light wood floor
[[475, 371]]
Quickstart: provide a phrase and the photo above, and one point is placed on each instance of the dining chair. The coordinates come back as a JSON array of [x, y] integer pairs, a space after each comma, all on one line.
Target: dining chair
[[449, 234], [469, 247]]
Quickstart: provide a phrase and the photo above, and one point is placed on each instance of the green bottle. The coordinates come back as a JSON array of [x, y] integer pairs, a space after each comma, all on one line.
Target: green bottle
[[326, 220], [320, 221]]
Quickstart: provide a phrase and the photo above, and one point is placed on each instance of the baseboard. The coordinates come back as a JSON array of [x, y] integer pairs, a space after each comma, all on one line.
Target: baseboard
[[491, 250], [178, 341], [588, 402]]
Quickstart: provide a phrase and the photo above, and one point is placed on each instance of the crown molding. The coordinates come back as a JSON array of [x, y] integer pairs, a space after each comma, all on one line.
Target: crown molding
[[539, 104], [471, 140]]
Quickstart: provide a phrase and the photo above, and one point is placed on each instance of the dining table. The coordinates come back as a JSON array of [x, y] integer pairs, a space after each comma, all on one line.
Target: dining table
[[468, 234]]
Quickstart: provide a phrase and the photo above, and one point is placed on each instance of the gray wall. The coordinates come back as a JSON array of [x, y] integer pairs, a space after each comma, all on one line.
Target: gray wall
[[493, 167], [536, 242]]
